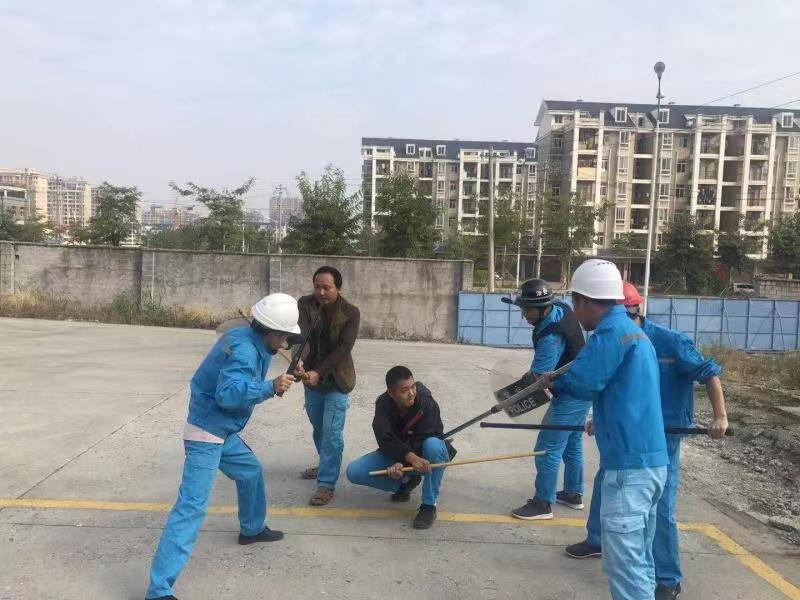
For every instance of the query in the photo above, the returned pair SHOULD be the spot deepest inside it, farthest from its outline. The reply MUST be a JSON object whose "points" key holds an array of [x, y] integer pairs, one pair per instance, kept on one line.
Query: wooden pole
{"points": [[469, 461]]}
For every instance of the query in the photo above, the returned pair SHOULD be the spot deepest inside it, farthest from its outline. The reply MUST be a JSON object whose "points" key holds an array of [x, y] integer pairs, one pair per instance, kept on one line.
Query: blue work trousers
{"points": [[666, 552], [433, 450], [235, 459], [628, 523], [326, 407], [566, 445]]}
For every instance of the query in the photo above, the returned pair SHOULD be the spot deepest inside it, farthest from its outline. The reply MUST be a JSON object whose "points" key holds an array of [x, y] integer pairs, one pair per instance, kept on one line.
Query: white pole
{"points": [[652, 228], [491, 219]]}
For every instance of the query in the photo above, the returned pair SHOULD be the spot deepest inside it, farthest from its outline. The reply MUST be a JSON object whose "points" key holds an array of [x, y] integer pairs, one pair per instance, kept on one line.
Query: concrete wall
{"points": [[777, 287], [398, 298]]}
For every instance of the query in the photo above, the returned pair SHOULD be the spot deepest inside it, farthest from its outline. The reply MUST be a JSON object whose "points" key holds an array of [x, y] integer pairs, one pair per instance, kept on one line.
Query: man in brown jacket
{"points": [[330, 323]]}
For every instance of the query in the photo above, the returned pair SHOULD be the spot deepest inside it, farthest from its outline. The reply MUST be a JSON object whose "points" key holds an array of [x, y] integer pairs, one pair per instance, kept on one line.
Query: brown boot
{"points": [[310, 474], [321, 497]]}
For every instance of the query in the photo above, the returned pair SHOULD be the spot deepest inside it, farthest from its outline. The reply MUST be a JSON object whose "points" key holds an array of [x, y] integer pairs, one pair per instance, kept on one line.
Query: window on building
{"points": [[621, 114], [662, 215], [440, 186], [451, 222], [787, 119], [441, 168], [531, 170], [367, 151], [666, 141], [622, 166], [557, 141], [411, 148], [454, 168], [624, 138], [441, 150], [530, 153], [663, 191], [604, 164], [663, 116], [622, 191], [791, 170], [619, 216], [666, 167], [604, 190], [600, 240], [680, 191], [555, 191], [453, 187], [794, 142], [453, 202], [425, 152], [439, 221], [683, 141], [680, 166], [640, 121], [558, 119]]}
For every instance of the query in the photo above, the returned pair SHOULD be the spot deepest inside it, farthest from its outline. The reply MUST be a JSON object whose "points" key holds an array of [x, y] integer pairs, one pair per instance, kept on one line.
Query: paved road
{"points": [[90, 456]]}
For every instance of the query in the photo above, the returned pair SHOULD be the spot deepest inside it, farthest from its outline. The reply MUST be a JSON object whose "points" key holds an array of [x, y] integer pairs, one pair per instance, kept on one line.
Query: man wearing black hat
{"points": [[557, 338]]}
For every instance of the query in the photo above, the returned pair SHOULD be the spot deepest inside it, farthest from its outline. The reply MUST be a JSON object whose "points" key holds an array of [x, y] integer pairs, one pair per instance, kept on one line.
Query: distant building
{"points": [[282, 208], [14, 202], [456, 173], [63, 201], [734, 168], [170, 217]]}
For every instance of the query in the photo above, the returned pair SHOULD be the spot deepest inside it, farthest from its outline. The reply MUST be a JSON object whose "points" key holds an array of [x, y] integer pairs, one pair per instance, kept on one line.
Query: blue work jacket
{"points": [[618, 371], [230, 382]]}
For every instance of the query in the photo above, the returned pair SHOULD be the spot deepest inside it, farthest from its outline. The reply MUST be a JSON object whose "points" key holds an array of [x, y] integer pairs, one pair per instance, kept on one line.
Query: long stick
{"points": [[534, 387], [668, 430], [469, 461]]}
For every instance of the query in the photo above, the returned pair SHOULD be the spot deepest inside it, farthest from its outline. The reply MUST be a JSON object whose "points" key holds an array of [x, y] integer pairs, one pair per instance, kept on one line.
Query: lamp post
{"points": [[659, 68]]}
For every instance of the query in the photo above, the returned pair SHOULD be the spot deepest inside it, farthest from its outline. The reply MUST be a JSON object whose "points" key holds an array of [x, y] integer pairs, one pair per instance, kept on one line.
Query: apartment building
{"points": [[159, 217], [733, 168], [63, 201], [14, 202], [455, 175]]}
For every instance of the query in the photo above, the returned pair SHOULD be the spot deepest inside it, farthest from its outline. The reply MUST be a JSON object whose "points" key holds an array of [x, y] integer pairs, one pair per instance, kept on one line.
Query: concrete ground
{"points": [[90, 456]]}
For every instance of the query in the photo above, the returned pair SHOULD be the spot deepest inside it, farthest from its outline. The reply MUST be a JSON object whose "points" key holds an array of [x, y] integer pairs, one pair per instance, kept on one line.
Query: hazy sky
{"points": [[213, 91]]}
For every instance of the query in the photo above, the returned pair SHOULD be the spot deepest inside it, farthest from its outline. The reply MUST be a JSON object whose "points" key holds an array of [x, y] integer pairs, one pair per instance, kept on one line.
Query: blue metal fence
{"points": [[755, 324]]}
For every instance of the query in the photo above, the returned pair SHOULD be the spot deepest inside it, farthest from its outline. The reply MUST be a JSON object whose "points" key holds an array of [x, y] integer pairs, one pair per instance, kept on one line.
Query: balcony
{"points": [[641, 194], [759, 146], [587, 140], [470, 170], [757, 202], [706, 195], [710, 144], [644, 145], [758, 175], [734, 147], [382, 167]]}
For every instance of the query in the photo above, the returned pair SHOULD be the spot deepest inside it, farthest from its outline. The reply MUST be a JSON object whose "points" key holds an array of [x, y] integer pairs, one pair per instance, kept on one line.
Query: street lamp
{"points": [[659, 69]]}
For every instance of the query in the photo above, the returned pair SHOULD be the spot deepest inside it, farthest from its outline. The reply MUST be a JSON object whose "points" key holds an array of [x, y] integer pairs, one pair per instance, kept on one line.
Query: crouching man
{"points": [[408, 429], [224, 391]]}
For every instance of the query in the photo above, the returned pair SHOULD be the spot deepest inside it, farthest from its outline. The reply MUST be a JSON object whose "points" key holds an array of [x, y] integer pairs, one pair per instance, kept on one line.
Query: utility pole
{"points": [[278, 192], [491, 219], [659, 68], [539, 216]]}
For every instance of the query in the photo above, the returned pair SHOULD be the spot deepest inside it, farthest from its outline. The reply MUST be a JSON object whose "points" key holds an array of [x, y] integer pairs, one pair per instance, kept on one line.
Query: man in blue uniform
{"points": [[224, 391], [618, 372], [557, 338], [680, 365]]}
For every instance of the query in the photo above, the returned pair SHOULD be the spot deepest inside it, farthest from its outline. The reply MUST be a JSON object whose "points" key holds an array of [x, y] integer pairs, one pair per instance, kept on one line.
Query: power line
{"points": [[750, 89]]}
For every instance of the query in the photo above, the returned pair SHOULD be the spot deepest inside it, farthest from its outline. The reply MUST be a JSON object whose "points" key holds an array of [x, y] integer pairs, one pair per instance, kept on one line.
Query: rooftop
{"points": [[452, 146]]}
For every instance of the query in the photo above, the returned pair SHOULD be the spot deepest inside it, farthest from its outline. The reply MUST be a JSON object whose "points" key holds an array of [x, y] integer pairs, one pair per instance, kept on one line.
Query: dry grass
{"points": [[768, 370], [123, 309]]}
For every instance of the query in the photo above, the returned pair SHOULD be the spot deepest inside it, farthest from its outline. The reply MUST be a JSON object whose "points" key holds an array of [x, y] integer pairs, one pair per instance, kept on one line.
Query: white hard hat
{"points": [[278, 312], [597, 279]]}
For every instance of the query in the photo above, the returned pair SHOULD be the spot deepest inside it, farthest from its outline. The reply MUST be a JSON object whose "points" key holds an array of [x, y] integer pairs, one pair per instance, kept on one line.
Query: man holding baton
{"points": [[680, 365]]}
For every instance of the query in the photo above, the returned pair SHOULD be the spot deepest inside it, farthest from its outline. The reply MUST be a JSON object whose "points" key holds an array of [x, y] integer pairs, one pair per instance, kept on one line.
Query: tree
{"points": [[569, 228], [784, 244], [27, 229], [732, 249], [509, 227], [686, 257], [222, 227], [115, 219], [406, 218], [332, 219]]}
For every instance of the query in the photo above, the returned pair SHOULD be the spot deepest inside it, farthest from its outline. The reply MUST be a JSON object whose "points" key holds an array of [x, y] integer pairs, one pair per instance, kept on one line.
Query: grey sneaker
{"points": [[534, 510], [571, 499], [583, 550]]}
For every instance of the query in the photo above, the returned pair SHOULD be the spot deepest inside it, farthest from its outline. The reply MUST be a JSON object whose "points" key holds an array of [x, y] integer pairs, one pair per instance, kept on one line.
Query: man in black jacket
{"points": [[408, 429]]}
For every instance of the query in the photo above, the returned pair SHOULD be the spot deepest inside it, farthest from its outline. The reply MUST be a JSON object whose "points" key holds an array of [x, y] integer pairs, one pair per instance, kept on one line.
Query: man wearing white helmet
{"points": [[224, 391], [618, 371]]}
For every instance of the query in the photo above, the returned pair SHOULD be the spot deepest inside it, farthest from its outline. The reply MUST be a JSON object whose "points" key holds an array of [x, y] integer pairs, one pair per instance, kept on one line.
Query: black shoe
{"points": [[664, 592], [425, 517], [534, 510], [571, 499], [583, 550], [162, 598], [265, 536], [403, 494]]}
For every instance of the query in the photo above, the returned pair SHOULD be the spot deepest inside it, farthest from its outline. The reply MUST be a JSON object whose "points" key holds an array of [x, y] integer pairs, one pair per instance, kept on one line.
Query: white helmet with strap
{"points": [[597, 279], [277, 312]]}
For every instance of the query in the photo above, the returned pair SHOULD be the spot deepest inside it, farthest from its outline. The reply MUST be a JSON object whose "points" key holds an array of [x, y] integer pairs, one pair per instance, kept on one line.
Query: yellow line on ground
{"points": [[725, 542]]}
